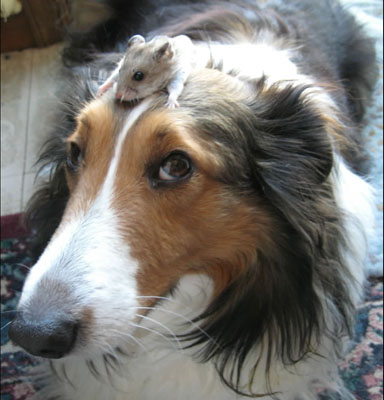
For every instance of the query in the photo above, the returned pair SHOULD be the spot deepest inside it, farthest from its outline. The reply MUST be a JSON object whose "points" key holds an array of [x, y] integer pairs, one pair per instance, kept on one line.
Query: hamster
{"points": [[147, 67]]}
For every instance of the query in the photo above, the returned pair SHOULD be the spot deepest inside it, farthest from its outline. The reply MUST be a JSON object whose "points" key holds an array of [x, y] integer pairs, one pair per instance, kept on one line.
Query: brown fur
{"points": [[167, 241], [95, 136]]}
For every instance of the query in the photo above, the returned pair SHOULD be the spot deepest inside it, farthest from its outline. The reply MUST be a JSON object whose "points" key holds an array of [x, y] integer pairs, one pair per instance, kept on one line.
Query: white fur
{"points": [[89, 256], [158, 369], [250, 60], [47, 259], [356, 198]]}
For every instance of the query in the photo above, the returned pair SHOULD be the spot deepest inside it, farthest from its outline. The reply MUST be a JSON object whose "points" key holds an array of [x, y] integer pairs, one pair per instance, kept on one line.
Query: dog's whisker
{"points": [[155, 297], [168, 339], [107, 357], [111, 366], [113, 360], [152, 331], [185, 306], [92, 368], [163, 326], [107, 365], [198, 327], [131, 337], [120, 352], [66, 376], [54, 370]]}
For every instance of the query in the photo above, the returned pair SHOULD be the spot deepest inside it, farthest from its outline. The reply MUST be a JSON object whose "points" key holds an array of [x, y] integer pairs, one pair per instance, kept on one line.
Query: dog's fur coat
{"points": [[239, 276]]}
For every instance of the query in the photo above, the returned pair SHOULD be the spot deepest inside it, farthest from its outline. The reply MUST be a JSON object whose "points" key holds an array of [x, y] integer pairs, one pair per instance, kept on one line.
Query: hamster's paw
{"points": [[172, 103], [103, 88]]}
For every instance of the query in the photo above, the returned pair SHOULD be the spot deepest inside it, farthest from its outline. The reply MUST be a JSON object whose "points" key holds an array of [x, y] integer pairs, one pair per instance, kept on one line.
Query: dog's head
{"points": [[232, 185]]}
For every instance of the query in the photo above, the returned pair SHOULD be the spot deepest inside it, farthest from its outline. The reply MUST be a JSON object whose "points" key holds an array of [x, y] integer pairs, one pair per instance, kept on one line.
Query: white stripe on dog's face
{"points": [[132, 118], [89, 258]]}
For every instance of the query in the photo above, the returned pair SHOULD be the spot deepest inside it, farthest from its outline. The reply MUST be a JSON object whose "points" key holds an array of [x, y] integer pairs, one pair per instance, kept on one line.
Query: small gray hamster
{"points": [[147, 67]]}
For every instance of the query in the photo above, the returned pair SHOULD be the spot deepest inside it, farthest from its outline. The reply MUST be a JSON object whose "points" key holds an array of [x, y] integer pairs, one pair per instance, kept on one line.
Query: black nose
{"points": [[52, 338]]}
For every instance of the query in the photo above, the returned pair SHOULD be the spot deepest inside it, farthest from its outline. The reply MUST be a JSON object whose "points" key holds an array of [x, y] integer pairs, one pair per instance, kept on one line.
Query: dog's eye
{"points": [[73, 157], [138, 76], [175, 167]]}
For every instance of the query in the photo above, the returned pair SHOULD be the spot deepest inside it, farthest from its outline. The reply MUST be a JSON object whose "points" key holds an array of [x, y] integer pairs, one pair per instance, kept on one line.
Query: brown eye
{"points": [[138, 76], [175, 167], [73, 157]]}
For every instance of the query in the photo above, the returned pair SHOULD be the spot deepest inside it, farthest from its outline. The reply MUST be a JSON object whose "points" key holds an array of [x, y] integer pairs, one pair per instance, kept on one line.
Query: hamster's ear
{"points": [[163, 52], [135, 40]]}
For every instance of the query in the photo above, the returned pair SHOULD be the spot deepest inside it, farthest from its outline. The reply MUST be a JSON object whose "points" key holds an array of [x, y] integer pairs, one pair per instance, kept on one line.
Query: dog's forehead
{"points": [[127, 140]]}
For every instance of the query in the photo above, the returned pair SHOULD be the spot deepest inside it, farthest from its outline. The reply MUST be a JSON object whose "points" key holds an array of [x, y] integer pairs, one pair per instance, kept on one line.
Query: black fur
{"points": [[279, 154]]}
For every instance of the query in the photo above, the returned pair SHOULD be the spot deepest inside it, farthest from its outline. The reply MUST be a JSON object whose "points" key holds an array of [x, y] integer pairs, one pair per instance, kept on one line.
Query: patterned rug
{"points": [[361, 370]]}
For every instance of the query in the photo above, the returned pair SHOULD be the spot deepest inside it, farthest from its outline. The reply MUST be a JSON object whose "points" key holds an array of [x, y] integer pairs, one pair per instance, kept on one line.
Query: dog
{"points": [[215, 250]]}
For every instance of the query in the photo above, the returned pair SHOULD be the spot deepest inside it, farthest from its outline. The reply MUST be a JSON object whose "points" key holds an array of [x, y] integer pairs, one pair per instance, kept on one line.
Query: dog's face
{"points": [[148, 206], [172, 214], [223, 186]]}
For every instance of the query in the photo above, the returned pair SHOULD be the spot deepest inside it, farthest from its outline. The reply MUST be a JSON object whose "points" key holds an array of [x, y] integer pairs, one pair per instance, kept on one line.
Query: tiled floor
{"points": [[28, 85]]}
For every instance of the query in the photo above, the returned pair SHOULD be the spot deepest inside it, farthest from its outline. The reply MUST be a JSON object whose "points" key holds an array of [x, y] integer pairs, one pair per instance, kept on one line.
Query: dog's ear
{"points": [[293, 150], [285, 153]]}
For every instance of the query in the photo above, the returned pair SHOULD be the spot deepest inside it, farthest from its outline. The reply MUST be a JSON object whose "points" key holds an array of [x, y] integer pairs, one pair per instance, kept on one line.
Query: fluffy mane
{"points": [[279, 147]]}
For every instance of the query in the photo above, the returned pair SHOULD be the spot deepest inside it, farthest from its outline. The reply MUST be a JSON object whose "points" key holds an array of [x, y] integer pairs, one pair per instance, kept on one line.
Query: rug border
{"points": [[13, 226]]}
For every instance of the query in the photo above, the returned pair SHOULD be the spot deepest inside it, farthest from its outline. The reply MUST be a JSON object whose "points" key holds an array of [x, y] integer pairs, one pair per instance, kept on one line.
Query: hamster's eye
{"points": [[138, 76]]}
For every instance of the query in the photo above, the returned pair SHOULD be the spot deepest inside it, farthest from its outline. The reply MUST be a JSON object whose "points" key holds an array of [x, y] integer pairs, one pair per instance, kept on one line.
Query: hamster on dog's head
{"points": [[146, 67]]}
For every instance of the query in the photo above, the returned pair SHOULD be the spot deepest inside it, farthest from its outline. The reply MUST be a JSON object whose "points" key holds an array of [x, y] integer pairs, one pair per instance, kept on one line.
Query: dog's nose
{"points": [[51, 338]]}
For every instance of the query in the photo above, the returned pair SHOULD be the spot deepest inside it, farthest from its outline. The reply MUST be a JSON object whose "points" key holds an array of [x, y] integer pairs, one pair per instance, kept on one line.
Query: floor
{"points": [[27, 102]]}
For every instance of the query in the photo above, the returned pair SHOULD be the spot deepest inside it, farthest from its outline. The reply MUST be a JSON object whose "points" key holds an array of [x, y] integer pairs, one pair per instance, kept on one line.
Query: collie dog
{"points": [[216, 250]]}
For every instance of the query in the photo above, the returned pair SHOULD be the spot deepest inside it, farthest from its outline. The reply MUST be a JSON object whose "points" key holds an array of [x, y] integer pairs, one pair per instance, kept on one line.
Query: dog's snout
{"points": [[53, 337]]}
